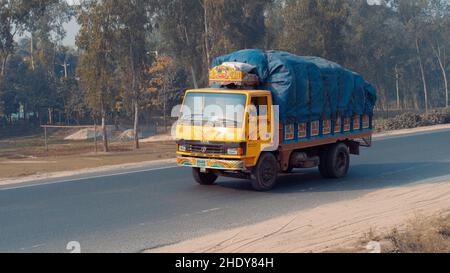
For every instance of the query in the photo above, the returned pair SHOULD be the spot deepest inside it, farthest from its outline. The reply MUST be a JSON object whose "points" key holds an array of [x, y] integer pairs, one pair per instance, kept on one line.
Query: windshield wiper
{"points": [[223, 121], [191, 117], [227, 122]]}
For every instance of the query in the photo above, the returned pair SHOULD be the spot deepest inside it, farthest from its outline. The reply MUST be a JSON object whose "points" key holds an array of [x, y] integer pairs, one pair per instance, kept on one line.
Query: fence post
{"points": [[95, 137], [45, 137]]}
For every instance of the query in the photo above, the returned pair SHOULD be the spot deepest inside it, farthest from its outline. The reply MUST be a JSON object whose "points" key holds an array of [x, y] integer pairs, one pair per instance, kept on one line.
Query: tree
{"points": [[209, 28], [74, 105], [164, 73], [315, 28], [133, 23], [97, 66], [45, 26], [413, 13], [15, 15], [181, 25], [377, 47], [399, 45], [438, 32], [232, 25], [18, 18]]}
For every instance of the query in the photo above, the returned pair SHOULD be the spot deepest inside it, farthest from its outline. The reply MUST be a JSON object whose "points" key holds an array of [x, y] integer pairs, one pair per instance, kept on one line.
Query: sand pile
{"points": [[84, 134], [158, 138], [128, 135]]}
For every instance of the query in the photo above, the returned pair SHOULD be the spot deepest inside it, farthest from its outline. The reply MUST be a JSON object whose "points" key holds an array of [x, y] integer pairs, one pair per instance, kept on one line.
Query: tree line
{"points": [[133, 59]]}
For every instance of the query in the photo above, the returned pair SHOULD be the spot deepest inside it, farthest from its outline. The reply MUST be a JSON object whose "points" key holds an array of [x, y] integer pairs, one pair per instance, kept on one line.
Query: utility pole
{"points": [[205, 22], [422, 71], [397, 85], [32, 52], [65, 65]]}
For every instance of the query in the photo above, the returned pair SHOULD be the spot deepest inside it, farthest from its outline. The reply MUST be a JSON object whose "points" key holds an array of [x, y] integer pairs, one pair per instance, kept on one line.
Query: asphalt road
{"points": [[144, 208]]}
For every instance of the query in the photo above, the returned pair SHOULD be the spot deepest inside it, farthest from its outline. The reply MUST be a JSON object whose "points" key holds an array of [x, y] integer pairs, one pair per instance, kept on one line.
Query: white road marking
{"points": [[28, 162], [87, 178], [32, 247], [200, 212], [209, 210], [376, 137]]}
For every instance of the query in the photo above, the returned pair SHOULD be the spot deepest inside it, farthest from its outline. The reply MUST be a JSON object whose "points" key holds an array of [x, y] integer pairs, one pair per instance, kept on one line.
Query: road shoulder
{"points": [[403, 132], [89, 171], [338, 225]]}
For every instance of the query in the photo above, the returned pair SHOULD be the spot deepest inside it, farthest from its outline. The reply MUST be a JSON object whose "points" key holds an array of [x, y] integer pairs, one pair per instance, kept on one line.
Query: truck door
{"points": [[259, 129]]}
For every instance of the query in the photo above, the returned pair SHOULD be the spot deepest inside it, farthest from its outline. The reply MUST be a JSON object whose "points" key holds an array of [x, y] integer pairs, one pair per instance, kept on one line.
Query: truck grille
{"points": [[206, 149]]}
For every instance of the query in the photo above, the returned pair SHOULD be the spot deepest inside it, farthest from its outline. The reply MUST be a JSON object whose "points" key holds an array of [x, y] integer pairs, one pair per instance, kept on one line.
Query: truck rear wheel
{"points": [[204, 178], [264, 175], [335, 161]]}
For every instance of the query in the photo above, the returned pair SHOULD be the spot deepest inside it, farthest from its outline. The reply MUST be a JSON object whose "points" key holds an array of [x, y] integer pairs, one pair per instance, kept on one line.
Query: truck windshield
{"points": [[215, 109]]}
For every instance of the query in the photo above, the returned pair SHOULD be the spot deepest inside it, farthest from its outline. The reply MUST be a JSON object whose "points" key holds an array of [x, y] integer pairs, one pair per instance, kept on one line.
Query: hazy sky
{"points": [[373, 2], [71, 28], [71, 31]]}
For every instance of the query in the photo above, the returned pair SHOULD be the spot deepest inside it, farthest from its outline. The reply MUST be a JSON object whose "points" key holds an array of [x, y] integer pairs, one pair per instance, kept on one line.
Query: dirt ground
{"points": [[336, 227], [25, 156]]}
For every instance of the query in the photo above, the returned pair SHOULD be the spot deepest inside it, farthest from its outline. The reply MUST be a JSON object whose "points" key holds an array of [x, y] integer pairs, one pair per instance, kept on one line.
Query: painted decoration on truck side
{"points": [[315, 130], [366, 121], [347, 124], [338, 125], [356, 122], [211, 163], [289, 132], [327, 127], [302, 130]]}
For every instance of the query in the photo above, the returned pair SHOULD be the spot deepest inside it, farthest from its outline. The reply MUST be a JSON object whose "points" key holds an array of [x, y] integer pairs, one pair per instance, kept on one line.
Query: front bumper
{"points": [[217, 164]]}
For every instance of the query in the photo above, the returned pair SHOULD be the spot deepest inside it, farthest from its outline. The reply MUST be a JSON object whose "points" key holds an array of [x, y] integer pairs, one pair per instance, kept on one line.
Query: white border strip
{"points": [[40, 183]]}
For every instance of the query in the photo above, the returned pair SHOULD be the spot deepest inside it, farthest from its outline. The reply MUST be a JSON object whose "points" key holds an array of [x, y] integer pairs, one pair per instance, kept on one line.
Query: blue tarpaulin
{"points": [[307, 88]]}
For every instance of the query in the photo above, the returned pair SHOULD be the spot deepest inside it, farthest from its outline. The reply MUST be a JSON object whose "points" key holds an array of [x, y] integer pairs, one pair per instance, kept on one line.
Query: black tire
{"points": [[323, 165], [335, 161], [204, 178], [264, 175]]}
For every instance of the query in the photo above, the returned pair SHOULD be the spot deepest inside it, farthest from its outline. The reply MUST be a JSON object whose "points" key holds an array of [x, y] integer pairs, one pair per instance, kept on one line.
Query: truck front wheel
{"points": [[335, 161], [204, 178], [264, 175]]}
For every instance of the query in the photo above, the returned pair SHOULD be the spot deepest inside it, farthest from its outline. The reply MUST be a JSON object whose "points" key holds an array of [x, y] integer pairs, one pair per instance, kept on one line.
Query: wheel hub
{"points": [[268, 172]]}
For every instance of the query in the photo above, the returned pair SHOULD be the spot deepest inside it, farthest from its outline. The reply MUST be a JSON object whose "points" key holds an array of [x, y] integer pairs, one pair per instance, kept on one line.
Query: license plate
{"points": [[201, 163]]}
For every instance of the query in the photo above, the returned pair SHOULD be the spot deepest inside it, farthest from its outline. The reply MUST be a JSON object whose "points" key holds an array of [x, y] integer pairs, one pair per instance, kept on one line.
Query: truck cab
{"points": [[223, 133]]}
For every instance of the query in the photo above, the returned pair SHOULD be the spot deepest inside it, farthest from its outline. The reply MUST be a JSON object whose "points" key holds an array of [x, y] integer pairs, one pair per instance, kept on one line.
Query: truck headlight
{"points": [[234, 151], [182, 148]]}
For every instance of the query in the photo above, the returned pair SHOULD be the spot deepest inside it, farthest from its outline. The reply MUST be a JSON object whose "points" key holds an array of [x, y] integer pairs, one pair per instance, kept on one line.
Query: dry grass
{"points": [[413, 120], [419, 235], [423, 235], [23, 156]]}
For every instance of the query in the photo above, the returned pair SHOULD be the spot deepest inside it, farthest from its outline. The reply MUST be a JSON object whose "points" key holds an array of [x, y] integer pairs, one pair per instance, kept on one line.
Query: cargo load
{"points": [[306, 88]]}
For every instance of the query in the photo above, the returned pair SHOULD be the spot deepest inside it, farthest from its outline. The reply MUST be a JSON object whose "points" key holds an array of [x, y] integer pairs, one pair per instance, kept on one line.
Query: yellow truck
{"points": [[237, 129]]}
